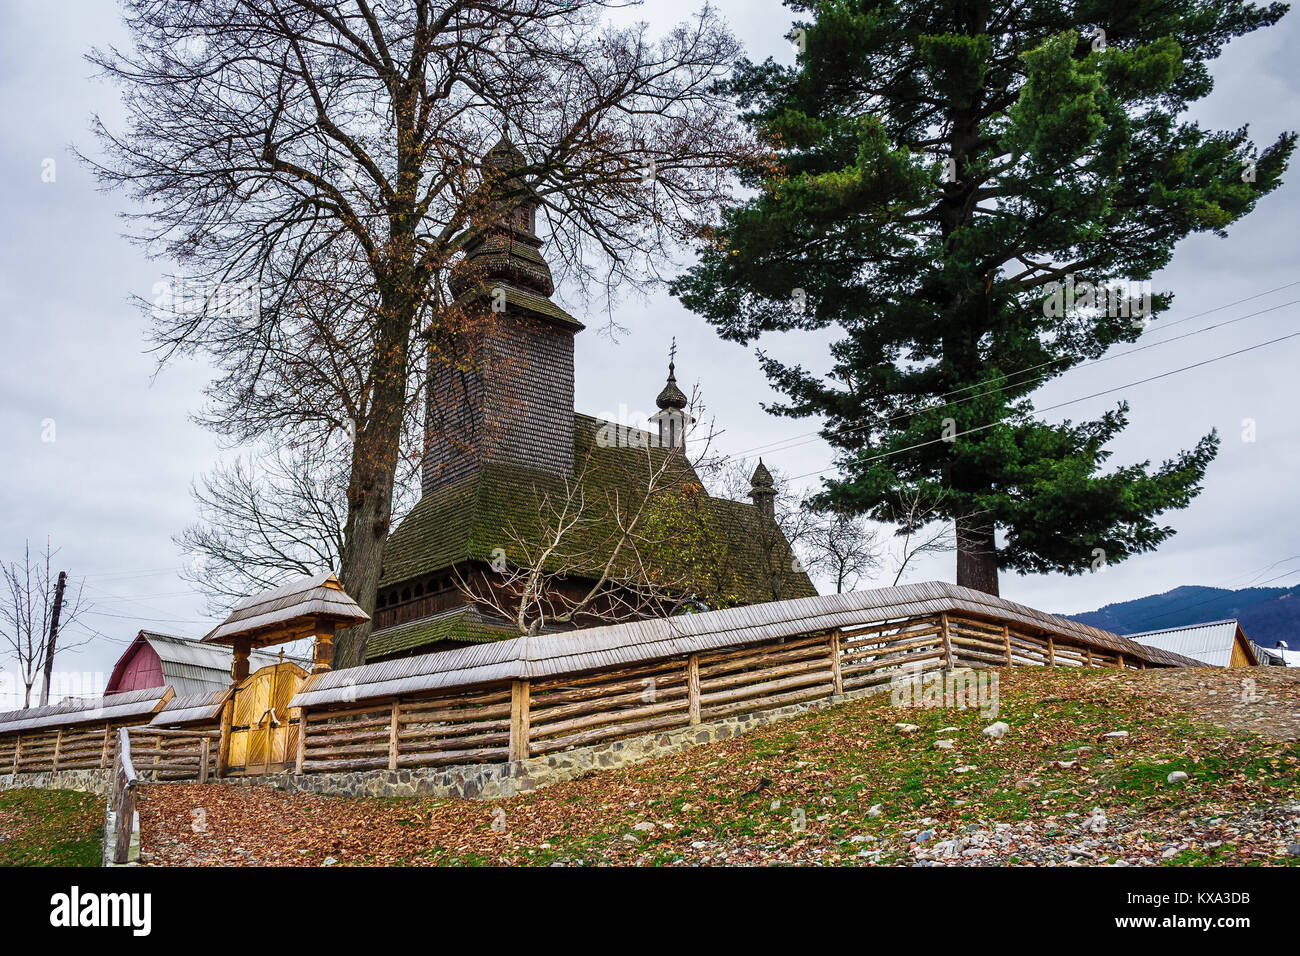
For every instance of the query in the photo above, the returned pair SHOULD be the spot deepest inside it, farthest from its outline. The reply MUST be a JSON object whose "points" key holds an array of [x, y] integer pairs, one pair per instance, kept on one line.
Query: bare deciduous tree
{"points": [[843, 548], [266, 517], [26, 610], [273, 143], [923, 528], [611, 543]]}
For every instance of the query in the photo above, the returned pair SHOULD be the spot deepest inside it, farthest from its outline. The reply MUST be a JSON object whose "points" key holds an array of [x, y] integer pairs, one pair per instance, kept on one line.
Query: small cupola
{"points": [[672, 418], [762, 490]]}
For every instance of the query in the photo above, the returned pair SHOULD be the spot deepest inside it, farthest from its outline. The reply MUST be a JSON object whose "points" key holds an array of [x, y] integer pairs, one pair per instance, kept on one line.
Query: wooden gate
{"points": [[263, 729]]}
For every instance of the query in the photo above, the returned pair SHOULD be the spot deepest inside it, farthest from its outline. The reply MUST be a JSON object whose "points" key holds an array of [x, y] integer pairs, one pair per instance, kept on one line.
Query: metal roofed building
{"points": [[185, 664], [1216, 643]]}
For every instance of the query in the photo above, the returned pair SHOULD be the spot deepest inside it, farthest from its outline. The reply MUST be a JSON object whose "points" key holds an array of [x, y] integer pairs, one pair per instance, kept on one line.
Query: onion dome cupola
{"points": [[672, 419], [503, 260], [762, 490]]}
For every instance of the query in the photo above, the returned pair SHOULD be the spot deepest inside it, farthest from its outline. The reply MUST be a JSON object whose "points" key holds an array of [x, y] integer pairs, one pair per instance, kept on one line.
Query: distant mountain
{"points": [[1267, 615]]}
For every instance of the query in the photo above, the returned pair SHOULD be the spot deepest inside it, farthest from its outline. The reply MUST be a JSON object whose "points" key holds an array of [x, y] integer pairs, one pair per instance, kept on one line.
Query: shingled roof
{"points": [[590, 649], [316, 598], [467, 519]]}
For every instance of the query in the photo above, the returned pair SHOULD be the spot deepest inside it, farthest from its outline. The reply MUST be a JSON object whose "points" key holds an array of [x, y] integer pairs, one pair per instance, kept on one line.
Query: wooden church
{"points": [[504, 448]]}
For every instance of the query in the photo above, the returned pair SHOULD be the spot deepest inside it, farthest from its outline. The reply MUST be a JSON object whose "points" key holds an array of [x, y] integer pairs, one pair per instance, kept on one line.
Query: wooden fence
{"points": [[521, 718], [160, 754]]}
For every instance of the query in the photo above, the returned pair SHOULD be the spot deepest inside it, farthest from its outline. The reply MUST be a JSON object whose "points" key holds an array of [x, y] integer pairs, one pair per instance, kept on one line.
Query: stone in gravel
{"points": [[329, 861], [876, 810], [776, 804], [632, 838], [906, 728], [964, 768], [997, 730], [1293, 849], [1097, 823], [645, 826], [1177, 777], [945, 744], [948, 730], [923, 837], [1116, 733], [1064, 764]]}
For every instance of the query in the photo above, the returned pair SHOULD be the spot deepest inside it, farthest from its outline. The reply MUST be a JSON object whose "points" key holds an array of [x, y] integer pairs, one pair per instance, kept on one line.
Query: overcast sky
{"points": [[112, 488]]}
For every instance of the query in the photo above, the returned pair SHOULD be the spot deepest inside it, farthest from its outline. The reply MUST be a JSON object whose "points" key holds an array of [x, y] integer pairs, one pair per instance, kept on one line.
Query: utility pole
{"points": [[54, 635]]}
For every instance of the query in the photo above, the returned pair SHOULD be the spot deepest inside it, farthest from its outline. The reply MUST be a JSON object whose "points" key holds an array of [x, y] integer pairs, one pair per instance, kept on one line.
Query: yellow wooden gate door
{"points": [[263, 729]]}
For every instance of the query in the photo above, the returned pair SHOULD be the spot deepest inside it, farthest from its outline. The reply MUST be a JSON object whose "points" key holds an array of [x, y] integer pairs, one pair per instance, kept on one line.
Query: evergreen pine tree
{"points": [[957, 186]]}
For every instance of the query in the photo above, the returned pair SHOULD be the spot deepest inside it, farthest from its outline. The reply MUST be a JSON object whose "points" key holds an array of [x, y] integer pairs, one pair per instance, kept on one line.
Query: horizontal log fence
{"points": [[519, 719], [160, 754], [473, 709]]}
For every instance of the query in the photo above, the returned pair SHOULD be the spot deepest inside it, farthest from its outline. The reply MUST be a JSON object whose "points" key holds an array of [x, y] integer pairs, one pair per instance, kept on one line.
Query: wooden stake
{"points": [[58, 745], [205, 752], [693, 688], [223, 748], [1051, 651], [108, 743], [1006, 639], [519, 720], [837, 677], [393, 729], [302, 741], [947, 642]]}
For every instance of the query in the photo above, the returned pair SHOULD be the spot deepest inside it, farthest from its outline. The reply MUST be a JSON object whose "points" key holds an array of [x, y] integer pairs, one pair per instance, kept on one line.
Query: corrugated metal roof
{"points": [[317, 597], [620, 644], [1210, 643], [133, 703], [192, 667]]}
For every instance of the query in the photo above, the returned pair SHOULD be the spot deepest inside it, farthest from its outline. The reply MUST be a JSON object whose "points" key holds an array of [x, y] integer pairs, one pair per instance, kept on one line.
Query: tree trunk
{"points": [[370, 487], [977, 556]]}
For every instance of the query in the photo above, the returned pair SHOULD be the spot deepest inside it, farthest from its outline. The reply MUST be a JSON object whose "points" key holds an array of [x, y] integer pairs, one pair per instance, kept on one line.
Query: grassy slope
{"points": [[801, 791], [50, 828]]}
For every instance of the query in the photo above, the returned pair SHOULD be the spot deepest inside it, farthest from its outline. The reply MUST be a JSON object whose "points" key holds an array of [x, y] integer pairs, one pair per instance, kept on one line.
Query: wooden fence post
{"points": [[947, 642], [205, 753], [1006, 641], [1087, 654], [1051, 651], [302, 741], [58, 745], [223, 748], [393, 730], [837, 676], [518, 720], [693, 688], [1121, 661], [108, 747], [18, 750]]}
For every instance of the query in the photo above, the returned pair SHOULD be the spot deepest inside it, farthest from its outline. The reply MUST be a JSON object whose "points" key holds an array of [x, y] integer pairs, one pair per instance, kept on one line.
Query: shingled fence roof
{"points": [[318, 597], [618, 645], [133, 703]]}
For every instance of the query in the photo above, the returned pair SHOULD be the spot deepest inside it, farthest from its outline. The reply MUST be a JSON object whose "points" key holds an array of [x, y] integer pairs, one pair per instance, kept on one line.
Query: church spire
{"points": [[502, 255], [672, 396], [762, 490], [672, 419]]}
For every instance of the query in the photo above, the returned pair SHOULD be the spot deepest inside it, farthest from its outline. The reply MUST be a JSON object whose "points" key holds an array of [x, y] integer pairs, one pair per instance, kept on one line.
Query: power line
{"points": [[795, 441], [1073, 401]]}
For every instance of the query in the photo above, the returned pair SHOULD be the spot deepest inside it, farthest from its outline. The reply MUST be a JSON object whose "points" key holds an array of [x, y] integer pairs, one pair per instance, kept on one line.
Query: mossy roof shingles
{"points": [[467, 520]]}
